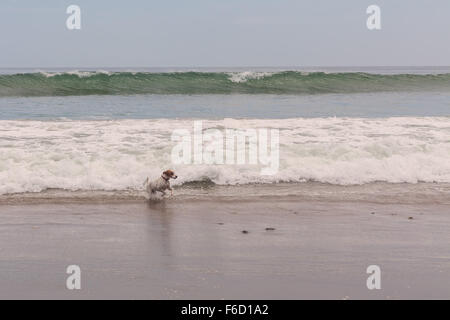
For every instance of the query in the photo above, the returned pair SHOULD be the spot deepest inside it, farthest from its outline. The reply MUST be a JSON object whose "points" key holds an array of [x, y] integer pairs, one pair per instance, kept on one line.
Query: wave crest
{"points": [[287, 82]]}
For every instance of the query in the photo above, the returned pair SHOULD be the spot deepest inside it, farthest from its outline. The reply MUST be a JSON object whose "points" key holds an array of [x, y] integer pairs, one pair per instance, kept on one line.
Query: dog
{"points": [[161, 184]]}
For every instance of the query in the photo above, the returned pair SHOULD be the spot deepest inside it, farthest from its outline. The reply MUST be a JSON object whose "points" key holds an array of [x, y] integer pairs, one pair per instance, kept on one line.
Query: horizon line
{"points": [[225, 67]]}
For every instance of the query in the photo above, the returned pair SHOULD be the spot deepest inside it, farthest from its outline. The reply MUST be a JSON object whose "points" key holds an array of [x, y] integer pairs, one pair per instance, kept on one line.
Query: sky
{"points": [[223, 33]]}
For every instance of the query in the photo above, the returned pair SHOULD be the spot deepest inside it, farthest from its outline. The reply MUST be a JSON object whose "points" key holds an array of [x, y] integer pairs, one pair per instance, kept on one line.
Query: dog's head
{"points": [[169, 174]]}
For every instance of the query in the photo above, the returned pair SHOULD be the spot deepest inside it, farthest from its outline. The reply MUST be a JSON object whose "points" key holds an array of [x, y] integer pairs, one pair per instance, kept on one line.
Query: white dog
{"points": [[161, 184]]}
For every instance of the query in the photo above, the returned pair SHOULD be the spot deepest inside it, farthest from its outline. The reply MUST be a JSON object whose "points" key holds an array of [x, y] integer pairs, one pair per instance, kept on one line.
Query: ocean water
{"points": [[107, 130]]}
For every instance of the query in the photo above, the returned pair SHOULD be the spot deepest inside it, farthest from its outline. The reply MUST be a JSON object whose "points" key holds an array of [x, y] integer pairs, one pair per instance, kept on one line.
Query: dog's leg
{"points": [[163, 194]]}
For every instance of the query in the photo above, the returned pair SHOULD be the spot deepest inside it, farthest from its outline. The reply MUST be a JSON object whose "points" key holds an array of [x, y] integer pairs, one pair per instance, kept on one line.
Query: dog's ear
{"points": [[168, 173]]}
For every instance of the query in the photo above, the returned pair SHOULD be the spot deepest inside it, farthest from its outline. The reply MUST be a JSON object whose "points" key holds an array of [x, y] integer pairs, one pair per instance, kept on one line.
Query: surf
{"points": [[117, 155]]}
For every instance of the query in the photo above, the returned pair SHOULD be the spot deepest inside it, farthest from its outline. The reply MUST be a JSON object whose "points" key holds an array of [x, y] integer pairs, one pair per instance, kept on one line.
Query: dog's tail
{"points": [[145, 182]]}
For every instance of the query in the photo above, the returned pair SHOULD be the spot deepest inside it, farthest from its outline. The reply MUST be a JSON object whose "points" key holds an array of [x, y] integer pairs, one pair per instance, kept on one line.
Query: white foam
{"points": [[240, 77], [119, 155], [80, 74]]}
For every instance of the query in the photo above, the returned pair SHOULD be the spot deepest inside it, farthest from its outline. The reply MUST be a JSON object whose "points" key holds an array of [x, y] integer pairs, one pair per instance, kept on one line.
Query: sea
{"points": [[352, 133]]}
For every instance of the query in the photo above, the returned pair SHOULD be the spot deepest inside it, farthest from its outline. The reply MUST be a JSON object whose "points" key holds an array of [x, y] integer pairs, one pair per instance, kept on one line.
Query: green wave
{"points": [[289, 82]]}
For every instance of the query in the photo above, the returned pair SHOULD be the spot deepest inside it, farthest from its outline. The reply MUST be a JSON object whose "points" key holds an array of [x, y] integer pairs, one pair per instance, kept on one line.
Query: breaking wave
{"points": [[287, 82], [119, 155]]}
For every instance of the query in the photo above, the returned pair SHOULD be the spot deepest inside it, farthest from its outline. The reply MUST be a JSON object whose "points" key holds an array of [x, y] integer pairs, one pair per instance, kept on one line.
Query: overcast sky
{"points": [[224, 33]]}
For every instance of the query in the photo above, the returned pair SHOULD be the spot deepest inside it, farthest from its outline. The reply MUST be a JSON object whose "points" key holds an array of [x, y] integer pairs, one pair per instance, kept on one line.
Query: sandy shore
{"points": [[195, 249]]}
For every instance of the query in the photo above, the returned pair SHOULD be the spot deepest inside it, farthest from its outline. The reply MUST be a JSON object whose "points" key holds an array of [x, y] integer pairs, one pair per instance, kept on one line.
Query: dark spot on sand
{"points": [[244, 231], [270, 229], [372, 213], [410, 218], [220, 223]]}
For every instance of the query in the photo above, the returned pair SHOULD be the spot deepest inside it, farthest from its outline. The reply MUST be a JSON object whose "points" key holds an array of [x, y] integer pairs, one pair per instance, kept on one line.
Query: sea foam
{"points": [[120, 154]]}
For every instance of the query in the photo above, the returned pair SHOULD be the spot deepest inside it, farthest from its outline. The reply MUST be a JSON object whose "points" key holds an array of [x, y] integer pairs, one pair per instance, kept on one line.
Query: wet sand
{"points": [[196, 249]]}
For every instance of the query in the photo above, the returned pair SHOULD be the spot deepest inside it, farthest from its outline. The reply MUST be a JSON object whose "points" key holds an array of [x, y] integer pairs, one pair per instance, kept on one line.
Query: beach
{"points": [[225, 247], [334, 170], [224, 150]]}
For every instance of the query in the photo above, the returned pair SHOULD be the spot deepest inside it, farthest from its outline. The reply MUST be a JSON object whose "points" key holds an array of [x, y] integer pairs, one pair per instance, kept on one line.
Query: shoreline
{"points": [[379, 192]]}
